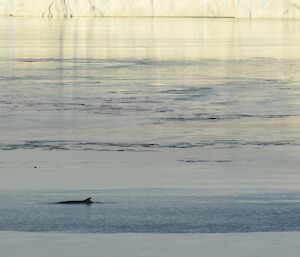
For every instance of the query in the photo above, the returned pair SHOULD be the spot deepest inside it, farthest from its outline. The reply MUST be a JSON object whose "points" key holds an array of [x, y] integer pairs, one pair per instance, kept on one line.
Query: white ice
{"points": [[287, 9]]}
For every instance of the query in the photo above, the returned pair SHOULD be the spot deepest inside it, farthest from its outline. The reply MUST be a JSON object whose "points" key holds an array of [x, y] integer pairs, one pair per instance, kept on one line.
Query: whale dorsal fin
{"points": [[88, 199]]}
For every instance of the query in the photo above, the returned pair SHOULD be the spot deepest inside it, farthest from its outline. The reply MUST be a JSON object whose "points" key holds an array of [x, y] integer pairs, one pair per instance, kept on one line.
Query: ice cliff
{"points": [[289, 9]]}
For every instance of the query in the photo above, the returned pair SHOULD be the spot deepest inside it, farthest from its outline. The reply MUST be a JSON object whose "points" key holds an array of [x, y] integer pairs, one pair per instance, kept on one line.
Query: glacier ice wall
{"points": [[153, 8], [287, 9]]}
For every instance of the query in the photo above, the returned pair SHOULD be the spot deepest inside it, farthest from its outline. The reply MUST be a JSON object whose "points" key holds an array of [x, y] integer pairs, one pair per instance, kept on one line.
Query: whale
{"points": [[86, 201]]}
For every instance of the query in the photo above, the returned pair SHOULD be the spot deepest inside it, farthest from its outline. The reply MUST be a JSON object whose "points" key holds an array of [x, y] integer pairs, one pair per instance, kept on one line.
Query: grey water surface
{"points": [[94, 104], [150, 211]]}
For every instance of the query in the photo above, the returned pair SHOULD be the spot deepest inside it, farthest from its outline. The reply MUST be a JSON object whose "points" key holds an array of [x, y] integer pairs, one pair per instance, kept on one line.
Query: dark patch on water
{"points": [[204, 161], [223, 117], [110, 146]]}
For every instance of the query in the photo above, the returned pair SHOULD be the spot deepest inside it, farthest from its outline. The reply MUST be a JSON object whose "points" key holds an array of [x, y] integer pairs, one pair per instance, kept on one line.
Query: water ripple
{"points": [[118, 146]]}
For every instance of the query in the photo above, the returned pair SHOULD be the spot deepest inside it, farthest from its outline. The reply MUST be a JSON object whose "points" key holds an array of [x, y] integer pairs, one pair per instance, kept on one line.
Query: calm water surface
{"points": [[210, 104], [150, 211], [140, 84]]}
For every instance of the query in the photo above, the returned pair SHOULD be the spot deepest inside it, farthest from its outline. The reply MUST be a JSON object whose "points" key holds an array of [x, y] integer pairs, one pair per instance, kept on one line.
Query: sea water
{"points": [[105, 104], [150, 211]]}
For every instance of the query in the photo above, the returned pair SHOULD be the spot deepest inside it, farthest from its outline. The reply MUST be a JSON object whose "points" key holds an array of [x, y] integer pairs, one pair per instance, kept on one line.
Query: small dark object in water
{"points": [[86, 201]]}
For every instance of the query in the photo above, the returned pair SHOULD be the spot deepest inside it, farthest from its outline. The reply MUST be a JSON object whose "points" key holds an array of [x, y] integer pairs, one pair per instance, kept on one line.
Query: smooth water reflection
{"points": [[139, 85], [164, 39]]}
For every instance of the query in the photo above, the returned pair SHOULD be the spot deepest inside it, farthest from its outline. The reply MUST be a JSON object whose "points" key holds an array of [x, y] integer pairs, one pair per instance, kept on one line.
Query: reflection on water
{"points": [[165, 39], [152, 85]]}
